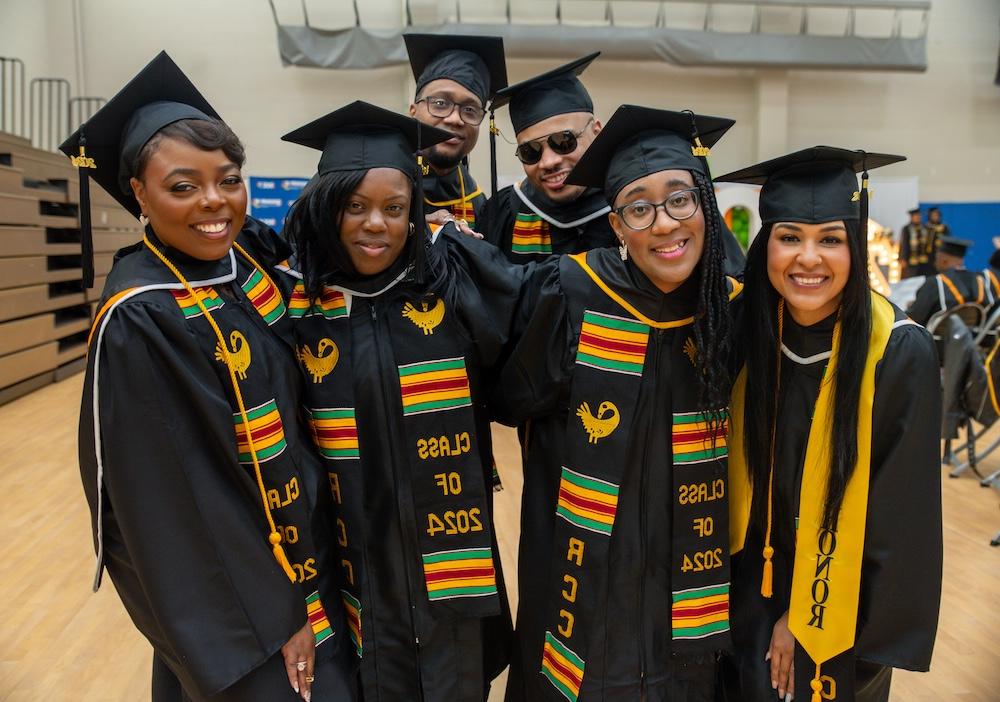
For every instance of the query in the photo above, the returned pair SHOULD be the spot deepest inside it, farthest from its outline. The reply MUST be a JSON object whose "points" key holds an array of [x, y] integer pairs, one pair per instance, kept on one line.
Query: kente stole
{"points": [[440, 474], [610, 363], [826, 575], [265, 426]]}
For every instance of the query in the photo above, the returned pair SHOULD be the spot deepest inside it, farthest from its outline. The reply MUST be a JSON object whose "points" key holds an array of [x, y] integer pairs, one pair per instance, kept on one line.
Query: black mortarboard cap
{"points": [[915, 210], [638, 141], [106, 145], [555, 92], [813, 185], [474, 62], [360, 136], [953, 246]]}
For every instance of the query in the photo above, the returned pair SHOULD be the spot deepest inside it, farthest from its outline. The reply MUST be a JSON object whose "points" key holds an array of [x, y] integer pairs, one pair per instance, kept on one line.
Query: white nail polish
{"points": [[767, 656], [295, 686], [788, 697]]}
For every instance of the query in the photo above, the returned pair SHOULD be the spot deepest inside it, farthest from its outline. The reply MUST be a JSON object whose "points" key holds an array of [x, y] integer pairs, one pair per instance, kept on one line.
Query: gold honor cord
{"points": [[274, 538], [767, 577]]}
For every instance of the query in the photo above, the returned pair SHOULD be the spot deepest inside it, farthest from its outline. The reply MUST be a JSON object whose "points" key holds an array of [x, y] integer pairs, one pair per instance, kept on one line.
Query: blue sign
{"points": [[270, 198]]}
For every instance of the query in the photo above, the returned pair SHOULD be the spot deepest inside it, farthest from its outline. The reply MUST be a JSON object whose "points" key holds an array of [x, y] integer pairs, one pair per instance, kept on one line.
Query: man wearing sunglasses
{"points": [[554, 123], [456, 76]]}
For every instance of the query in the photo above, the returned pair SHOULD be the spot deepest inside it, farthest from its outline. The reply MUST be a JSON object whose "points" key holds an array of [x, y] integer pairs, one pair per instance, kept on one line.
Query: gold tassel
{"points": [[699, 149], [767, 579], [280, 557], [817, 687]]}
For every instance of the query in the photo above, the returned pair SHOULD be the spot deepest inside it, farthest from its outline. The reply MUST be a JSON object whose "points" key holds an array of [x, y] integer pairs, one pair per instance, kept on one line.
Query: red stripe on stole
{"points": [[589, 505], [570, 673], [435, 385], [612, 345], [702, 435], [265, 295], [694, 612], [269, 429], [483, 572], [337, 433]]}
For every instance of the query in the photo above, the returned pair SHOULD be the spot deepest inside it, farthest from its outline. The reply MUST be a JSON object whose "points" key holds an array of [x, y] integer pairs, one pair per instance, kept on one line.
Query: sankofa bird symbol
{"points": [[599, 426], [239, 354], [425, 318], [318, 365]]}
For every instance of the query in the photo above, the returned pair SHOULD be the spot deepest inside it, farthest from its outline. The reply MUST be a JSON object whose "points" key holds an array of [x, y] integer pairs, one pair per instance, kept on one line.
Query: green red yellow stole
{"points": [[260, 433], [826, 577], [531, 235], [440, 475], [610, 364]]}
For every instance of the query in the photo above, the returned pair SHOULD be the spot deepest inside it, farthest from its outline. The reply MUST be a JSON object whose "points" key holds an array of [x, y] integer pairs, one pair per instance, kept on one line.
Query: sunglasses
{"points": [[562, 143]]}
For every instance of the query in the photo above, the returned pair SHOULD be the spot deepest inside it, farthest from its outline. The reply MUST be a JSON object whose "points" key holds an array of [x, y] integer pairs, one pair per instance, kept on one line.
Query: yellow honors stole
{"points": [[440, 476], [611, 362], [826, 578]]}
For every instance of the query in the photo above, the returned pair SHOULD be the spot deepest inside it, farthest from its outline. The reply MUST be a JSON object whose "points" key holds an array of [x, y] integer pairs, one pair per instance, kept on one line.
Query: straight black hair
{"points": [[760, 339]]}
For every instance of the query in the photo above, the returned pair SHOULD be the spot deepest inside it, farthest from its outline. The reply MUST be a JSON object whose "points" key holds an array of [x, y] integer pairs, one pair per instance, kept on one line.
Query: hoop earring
{"points": [[623, 250], [143, 220], [413, 229]]}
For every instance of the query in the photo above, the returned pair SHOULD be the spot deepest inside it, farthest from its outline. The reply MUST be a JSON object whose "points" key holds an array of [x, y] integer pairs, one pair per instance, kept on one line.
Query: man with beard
{"points": [[554, 123], [456, 76]]}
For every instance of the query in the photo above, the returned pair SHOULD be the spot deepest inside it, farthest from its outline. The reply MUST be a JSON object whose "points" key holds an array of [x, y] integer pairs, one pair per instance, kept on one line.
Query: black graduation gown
{"points": [[634, 655], [916, 250], [446, 192], [569, 228], [412, 651], [175, 507], [901, 571], [935, 295]]}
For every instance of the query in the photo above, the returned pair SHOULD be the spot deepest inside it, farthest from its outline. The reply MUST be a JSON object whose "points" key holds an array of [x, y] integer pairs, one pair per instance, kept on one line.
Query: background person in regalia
{"points": [[835, 490]]}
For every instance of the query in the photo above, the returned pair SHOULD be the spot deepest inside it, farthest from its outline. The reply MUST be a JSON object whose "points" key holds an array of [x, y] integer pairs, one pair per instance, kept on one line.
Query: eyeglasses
{"points": [[682, 204], [442, 107], [565, 142]]}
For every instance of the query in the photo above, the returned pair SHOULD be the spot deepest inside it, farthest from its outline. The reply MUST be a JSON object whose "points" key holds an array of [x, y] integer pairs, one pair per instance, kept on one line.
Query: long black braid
{"points": [[713, 326]]}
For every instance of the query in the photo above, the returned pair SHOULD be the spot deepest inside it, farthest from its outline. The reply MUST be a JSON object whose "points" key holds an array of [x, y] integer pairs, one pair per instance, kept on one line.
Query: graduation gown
{"points": [[630, 649], [901, 565], [413, 648], [527, 226], [456, 192], [175, 507], [950, 289], [916, 250]]}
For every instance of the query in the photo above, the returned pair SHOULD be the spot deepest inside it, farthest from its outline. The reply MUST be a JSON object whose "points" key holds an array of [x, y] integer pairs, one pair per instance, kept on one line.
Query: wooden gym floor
{"points": [[59, 642]]}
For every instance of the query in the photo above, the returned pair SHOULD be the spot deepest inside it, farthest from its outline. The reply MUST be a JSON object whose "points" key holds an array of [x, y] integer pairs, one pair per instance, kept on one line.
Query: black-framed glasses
{"points": [[565, 142], [680, 205], [442, 107]]}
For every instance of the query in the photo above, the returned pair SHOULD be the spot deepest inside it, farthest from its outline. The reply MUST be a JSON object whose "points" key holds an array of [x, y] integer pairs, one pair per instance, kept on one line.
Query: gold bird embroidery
{"points": [[599, 426], [426, 319], [691, 351], [239, 354], [320, 366]]}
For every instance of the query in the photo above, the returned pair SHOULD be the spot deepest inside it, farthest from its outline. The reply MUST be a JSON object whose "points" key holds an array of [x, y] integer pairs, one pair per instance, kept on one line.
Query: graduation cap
{"points": [[106, 145], [813, 185], [360, 136], [637, 141], [954, 246], [915, 210], [475, 62], [555, 92]]}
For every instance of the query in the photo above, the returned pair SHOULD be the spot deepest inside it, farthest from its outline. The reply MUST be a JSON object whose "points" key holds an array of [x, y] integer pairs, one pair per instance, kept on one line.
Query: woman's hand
{"points": [[300, 656], [781, 653], [442, 217]]}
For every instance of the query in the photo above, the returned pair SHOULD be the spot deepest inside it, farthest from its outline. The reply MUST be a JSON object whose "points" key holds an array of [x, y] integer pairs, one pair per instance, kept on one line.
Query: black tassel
{"points": [[86, 234], [418, 220], [493, 154], [864, 199]]}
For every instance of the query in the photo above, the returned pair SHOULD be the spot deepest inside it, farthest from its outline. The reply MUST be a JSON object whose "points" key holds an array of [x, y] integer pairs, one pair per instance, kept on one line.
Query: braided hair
{"points": [[713, 326]]}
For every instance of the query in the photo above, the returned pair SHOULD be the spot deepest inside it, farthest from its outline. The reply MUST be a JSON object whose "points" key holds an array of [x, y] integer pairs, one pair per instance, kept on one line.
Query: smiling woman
{"points": [[190, 391]]}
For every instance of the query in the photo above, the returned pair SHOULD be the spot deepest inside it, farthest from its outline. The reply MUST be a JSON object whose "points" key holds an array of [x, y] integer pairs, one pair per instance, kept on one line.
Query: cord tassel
{"points": [[767, 577], [86, 234], [817, 687], [280, 557]]}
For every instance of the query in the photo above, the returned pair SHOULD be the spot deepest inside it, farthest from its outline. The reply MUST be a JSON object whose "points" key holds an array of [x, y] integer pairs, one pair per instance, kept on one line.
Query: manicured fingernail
{"points": [[308, 695], [295, 686], [788, 697], [774, 685], [767, 656]]}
